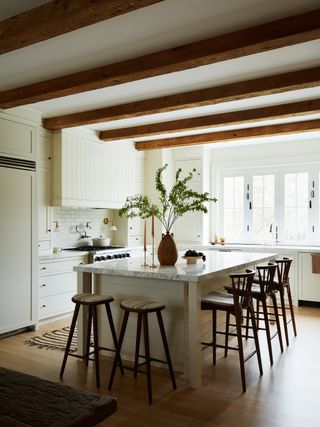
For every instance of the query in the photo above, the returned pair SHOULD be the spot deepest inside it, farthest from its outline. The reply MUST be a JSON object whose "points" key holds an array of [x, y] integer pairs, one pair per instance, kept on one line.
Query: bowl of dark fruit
{"points": [[192, 256]]}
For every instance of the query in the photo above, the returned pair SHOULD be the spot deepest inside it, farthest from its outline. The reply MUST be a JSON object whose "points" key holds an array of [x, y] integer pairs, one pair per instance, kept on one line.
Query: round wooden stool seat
{"points": [[88, 299], [141, 305]]}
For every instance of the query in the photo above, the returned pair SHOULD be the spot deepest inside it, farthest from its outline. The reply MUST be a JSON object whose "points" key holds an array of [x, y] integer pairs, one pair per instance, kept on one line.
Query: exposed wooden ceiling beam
{"points": [[231, 92], [273, 35], [196, 123], [230, 135], [59, 17]]}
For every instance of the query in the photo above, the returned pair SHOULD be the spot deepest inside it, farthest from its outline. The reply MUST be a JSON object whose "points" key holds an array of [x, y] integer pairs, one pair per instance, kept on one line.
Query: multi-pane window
{"points": [[296, 207], [263, 206], [259, 206], [233, 218]]}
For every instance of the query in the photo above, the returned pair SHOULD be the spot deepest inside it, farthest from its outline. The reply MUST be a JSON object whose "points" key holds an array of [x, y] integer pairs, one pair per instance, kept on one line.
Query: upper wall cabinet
{"points": [[91, 174], [17, 139]]}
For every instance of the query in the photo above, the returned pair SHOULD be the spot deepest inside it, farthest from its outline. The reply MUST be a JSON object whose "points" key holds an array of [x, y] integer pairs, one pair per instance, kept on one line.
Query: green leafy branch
{"points": [[180, 200]]}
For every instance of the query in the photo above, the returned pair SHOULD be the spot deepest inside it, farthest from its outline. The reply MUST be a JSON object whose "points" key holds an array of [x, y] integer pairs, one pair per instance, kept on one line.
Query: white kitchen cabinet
{"points": [[44, 192], [188, 228], [57, 285], [130, 230], [17, 139], [309, 283], [44, 208], [91, 174]]}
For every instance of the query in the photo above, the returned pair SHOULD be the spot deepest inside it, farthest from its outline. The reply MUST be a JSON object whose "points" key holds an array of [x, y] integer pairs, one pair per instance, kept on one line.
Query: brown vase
{"points": [[167, 250]]}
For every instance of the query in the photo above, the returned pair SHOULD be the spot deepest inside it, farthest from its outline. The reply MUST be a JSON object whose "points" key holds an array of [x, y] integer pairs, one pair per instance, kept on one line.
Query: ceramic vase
{"points": [[167, 250]]}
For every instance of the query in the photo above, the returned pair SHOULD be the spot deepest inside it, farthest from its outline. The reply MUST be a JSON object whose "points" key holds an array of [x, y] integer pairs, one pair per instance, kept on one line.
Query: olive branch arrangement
{"points": [[172, 205]]}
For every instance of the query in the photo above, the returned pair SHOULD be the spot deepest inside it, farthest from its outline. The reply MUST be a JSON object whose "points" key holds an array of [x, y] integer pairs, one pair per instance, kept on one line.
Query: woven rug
{"points": [[54, 340]]}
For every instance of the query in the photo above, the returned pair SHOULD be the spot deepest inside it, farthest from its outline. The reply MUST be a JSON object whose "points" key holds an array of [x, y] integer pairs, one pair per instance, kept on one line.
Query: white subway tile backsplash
{"points": [[68, 218]]}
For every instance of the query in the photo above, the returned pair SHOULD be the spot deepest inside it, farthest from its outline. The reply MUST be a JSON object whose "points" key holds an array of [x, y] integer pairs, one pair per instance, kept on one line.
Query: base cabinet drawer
{"points": [[54, 305], [57, 284], [309, 282]]}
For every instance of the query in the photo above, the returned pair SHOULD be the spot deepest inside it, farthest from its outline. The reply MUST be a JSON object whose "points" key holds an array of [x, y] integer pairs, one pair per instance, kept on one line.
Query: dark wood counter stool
{"points": [[282, 285], [91, 301], [142, 308], [234, 304], [262, 289]]}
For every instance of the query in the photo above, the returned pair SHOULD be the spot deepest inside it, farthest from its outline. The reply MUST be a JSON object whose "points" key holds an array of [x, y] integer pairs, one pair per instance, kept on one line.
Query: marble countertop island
{"points": [[179, 288], [216, 264]]}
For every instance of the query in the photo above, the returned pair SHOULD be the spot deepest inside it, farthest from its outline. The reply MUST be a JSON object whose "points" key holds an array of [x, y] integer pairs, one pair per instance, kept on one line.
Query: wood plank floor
{"points": [[286, 395]]}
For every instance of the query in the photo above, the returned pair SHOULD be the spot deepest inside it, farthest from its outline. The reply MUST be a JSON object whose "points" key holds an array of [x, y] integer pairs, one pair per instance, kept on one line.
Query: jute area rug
{"points": [[54, 340]]}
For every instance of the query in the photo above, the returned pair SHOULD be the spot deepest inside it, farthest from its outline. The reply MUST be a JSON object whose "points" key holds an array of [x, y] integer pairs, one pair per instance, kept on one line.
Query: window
{"points": [[233, 218], [270, 205]]}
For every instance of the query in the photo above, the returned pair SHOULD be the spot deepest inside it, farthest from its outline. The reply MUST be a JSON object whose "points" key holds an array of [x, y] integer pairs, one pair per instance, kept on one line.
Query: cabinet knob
{"points": [[49, 158], [49, 230], [43, 306], [43, 268], [198, 235], [43, 285]]}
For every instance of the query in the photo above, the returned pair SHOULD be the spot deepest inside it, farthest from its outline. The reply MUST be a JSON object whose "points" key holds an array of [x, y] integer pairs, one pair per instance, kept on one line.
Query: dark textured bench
{"points": [[28, 401]]}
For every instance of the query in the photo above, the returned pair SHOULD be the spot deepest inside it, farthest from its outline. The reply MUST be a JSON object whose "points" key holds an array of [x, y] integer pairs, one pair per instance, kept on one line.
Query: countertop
{"points": [[216, 264], [272, 248]]}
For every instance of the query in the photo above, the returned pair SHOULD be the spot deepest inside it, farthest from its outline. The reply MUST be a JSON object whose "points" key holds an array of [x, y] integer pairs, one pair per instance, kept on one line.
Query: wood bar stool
{"points": [[142, 308], [262, 289], [280, 285], [91, 301], [234, 304]]}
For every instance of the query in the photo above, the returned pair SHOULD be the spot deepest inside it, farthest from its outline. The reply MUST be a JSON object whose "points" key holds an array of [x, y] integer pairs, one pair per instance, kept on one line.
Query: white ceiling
{"points": [[154, 28]]}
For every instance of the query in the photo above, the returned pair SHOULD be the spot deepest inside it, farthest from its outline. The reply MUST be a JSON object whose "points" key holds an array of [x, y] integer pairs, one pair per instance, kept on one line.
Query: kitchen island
{"points": [[180, 287]]}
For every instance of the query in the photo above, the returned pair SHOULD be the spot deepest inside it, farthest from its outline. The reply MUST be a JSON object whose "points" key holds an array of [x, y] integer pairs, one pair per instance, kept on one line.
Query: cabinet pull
{"points": [[43, 285], [43, 268]]}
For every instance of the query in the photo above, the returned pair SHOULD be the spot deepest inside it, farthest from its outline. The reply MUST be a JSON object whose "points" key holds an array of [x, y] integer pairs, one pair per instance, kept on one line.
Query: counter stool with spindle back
{"points": [[281, 284], [233, 304], [90, 301], [262, 289], [142, 308]]}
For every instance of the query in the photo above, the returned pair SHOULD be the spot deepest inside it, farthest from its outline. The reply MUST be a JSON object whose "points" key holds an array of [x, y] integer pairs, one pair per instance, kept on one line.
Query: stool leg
{"points": [[276, 314], [214, 336], [166, 348], [240, 348], [291, 310], [147, 354], [256, 339], [72, 327], [136, 358], [96, 344], [118, 349], [267, 326], [247, 325], [88, 334], [226, 340], [284, 315], [113, 333]]}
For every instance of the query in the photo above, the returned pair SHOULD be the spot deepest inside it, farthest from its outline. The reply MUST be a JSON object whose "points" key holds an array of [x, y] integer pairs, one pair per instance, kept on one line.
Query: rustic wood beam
{"points": [[261, 38], [230, 135], [231, 92], [293, 109], [59, 17]]}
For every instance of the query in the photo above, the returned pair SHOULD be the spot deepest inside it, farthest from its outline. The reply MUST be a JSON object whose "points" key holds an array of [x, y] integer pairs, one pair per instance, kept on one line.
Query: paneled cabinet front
{"points": [[57, 285], [90, 174]]}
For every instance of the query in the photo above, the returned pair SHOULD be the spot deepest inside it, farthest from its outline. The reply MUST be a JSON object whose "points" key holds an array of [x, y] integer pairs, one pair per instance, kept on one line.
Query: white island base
{"points": [[180, 288]]}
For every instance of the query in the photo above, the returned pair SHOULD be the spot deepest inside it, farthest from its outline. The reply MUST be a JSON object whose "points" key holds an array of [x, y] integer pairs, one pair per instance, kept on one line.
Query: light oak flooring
{"points": [[286, 395]]}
